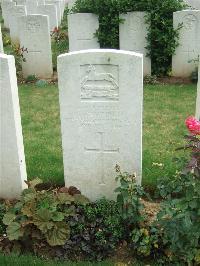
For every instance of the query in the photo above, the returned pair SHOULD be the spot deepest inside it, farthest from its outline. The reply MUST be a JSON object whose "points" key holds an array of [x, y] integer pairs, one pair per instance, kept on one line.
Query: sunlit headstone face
{"points": [[184, 61], [35, 37], [101, 117], [12, 159]]}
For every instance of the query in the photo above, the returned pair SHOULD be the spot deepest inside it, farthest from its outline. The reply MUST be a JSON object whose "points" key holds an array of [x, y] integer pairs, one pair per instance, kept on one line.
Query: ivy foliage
{"points": [[96, 231], [41, 215], [162, 39]]}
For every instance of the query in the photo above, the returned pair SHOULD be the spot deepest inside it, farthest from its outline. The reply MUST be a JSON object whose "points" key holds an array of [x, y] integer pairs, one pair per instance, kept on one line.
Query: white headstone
{"points": [[41, 2], [81, 30], [198, 97], [133, 32], [193, 3], [1, 42], [183, 63], [34, 35], [15, 13], [71, 3], [6, 5], [57, 4], [51, 12], [101, 117], [12, 159], [31, 7], [21, 2]]}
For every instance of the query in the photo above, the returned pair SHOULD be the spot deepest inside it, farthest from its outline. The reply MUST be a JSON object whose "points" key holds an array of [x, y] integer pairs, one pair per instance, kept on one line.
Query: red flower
{"points": [[193, 125]]}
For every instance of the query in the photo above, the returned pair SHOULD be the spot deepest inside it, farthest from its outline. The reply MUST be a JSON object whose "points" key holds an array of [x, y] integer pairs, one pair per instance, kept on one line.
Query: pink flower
{"points": [[193, 125]]}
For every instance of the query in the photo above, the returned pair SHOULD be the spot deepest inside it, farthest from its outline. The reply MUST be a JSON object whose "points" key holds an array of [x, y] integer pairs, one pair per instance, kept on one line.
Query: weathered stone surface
{"points": [[6, 5], [12, 159], [198, 97], [31, 7], [71, 3], [51, 12], [193, 3], [34, 35], [21, 2], [133, 32], [81, 30], [183, 62], [15, 13], [101, 116], [1, 42], [58, 6]]}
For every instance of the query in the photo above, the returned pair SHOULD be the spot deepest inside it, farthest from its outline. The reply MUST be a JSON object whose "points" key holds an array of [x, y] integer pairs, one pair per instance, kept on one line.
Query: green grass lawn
{"points": [[165, 110], [33, 261]]}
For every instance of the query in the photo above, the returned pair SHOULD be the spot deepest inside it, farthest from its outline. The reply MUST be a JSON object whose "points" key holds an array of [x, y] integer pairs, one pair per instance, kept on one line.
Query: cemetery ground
{"points": [[58, 225], [165, 109]]}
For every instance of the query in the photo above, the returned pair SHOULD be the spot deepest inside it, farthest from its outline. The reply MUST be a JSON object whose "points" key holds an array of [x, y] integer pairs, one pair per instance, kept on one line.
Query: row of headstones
{"points": [[35, 43], [133, 37], [193, 3], [81, 31], [101, 106], [11, 10], [32, 32]]}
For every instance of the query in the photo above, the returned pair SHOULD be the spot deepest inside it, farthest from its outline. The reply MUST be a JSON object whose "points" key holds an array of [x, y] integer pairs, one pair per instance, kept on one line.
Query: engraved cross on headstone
{"points": [[102, 151], [190, 53]]}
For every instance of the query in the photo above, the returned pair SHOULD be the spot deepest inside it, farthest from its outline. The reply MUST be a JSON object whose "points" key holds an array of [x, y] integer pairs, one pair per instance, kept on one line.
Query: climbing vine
{"points": [[162, 39]]}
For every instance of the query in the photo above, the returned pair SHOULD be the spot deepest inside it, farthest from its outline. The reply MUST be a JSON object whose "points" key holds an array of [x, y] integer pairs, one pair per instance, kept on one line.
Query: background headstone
{"points": [[71, 3], [81, 30], [183, 63], [34, 35], [198, 97], [51, 11], [21, 2], [12, 159], [193, 3], [101, 117], [133, 32], [31, 7], [15, 13], [1, 41], [6, 5], [57, 4]]}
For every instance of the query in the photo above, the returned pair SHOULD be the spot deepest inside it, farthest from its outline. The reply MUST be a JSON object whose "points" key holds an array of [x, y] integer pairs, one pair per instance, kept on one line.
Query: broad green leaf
{"points": [[65, 198], [28, 195], [14, 231], [43, 226], [29, 208], [58, 217], [59, 234], [43, 220], [34, 182], [44, 214], [81, 199], [9, 218]]}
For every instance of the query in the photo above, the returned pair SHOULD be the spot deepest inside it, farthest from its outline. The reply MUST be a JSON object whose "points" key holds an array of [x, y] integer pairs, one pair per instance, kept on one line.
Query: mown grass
{"points": [[25, 260], [33, 261], [165, 110]]}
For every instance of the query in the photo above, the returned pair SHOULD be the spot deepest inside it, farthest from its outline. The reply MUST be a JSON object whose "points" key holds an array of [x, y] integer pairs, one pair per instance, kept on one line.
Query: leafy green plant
{"points": [[18, 52], [179, 219], [129, 198], [31, 78], [2, 212], [41, 215], [148, 79], [96, 231], [59, 38], [162, 38]]}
